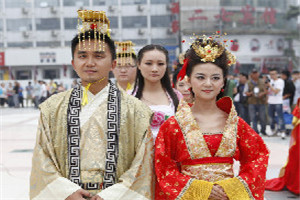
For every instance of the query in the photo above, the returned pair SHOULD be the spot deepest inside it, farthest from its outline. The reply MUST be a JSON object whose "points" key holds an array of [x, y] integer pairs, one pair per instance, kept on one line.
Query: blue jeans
{"points": [[258, 112], [242, 111], [276, 108]]}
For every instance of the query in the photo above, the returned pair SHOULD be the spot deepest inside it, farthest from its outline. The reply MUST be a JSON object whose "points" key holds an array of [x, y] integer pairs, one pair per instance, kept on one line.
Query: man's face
{"points": [[273, 75], [91, 62], [125, 70]]}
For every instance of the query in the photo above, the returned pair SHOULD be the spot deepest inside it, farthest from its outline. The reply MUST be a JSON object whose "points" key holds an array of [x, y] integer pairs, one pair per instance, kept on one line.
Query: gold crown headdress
{"points": [[95, 22], [125, 52], [208, 49]]}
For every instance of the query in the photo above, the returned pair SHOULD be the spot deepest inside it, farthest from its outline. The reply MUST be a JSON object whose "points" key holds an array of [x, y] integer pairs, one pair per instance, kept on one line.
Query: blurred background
{"points": [[35, 35]]}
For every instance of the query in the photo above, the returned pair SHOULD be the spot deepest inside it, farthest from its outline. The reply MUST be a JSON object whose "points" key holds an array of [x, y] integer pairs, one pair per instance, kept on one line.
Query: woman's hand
{"points": [[217, 193]]}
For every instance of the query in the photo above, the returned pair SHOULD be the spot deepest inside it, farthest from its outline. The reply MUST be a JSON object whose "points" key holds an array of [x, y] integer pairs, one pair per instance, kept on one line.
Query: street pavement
{"points": [[17, 139]]}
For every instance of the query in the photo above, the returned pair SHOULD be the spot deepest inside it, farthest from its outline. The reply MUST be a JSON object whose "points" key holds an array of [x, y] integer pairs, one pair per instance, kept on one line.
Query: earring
{"points": [[222, 90]]}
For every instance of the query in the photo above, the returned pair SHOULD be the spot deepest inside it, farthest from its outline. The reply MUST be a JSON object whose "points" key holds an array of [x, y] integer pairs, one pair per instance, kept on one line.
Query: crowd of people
{"points": [[33, 94], [147, 137], [267, 99]]}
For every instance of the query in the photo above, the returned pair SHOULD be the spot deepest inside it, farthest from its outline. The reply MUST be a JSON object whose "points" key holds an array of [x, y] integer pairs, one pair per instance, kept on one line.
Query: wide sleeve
{"points": [[253, 156], [171, 183], [46, 181], [137, 183]]}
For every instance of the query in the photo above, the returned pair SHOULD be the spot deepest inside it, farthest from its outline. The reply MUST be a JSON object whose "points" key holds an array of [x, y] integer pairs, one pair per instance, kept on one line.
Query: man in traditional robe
{"points": [[125, 70], [93, 141]]}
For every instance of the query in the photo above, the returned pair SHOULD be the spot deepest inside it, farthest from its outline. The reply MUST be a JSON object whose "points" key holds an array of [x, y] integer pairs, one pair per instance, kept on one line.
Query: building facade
{"points": [[257, 31], [35, 35]]}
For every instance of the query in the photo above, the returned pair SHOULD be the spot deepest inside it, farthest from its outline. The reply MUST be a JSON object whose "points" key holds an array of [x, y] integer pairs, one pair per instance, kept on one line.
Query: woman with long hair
{"points": [[195, 149], [153, 86]]}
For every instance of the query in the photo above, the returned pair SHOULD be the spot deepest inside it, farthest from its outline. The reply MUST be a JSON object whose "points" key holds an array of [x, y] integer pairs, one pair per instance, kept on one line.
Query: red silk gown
{"points": [[289, 175], [188, 162]]}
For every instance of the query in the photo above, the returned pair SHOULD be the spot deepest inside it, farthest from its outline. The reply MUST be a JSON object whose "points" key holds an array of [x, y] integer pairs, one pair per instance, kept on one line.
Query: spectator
{"points": [[289, 89], [16, 94], [43, 94], [256, 93], [230, 88], [29, 95], [275, 101], [296, 81], [20, 94], [10, 95], [3, 95], [36, 93], [240, 99]]}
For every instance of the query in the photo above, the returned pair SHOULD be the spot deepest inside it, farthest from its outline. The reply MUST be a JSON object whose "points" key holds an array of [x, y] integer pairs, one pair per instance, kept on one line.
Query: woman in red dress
{"points": [[195, 149], [289, 174]]}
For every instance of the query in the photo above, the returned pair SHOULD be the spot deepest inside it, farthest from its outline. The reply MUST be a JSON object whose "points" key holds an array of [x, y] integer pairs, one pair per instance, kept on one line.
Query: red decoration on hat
{"points": [[183, 41], [209, 51], [93, 26], [182, 72], [231, 41]]}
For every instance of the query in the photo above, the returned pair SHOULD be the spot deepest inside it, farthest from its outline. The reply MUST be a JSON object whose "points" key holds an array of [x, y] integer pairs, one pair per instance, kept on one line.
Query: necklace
{"points": [[149, 101]]}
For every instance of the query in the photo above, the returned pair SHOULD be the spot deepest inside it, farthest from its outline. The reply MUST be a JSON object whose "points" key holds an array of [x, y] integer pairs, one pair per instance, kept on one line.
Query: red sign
{"points": [[269, 16], [224, 16], [175, 26], [175, 8], [2, 59], [248, 17]]}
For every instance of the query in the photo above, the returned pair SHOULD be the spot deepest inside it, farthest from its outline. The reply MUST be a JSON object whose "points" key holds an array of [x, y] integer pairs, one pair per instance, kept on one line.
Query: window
{"points": [[71, 23], [47, 24], [19, 44], [140, 42], [161, 21], [113, 22], [167, 41], [17, 4], [1, 25], [48, 44], [46, 3], [23, 74], [161, 1], [76, 3], [134, 22], [19, 25], [133, 2], [51, 74]]}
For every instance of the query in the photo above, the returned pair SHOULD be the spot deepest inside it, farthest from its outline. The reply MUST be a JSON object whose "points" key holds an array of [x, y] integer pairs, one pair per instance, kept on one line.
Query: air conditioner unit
{"points": [[25, 11], [141, 8], [25, 34], [53, 10], [141, 31], [111, 8], [169, 31], [54, 33]]}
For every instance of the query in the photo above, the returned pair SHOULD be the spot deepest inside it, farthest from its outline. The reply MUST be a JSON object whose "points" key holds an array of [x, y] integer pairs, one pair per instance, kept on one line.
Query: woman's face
{"points": [[207, 81], [153, 65], [183, 87]]}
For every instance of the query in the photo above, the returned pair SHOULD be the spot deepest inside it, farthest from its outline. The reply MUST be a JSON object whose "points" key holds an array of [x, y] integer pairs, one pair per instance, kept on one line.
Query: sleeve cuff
{"points": [[198, 190], [235, 189]]}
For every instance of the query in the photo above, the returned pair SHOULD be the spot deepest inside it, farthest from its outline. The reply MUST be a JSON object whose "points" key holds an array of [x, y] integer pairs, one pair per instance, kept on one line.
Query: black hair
{"points": [[273, 69], [244, 74], [221, 61], [287, 73], [165, 81], [91, 35]]}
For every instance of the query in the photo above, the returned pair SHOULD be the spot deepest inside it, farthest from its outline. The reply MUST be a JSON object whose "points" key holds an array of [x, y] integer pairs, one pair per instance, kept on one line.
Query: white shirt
{"points": [[297, 91], [276, 98]]}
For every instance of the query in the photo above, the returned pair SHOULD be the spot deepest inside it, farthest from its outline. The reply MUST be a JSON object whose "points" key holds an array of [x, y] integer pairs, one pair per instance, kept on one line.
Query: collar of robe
{"points": [[113, 130]]}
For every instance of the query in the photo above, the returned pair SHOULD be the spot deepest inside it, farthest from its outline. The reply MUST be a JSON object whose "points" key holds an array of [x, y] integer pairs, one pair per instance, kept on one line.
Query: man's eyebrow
{"points": [[99, 52], [81, 52]]}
